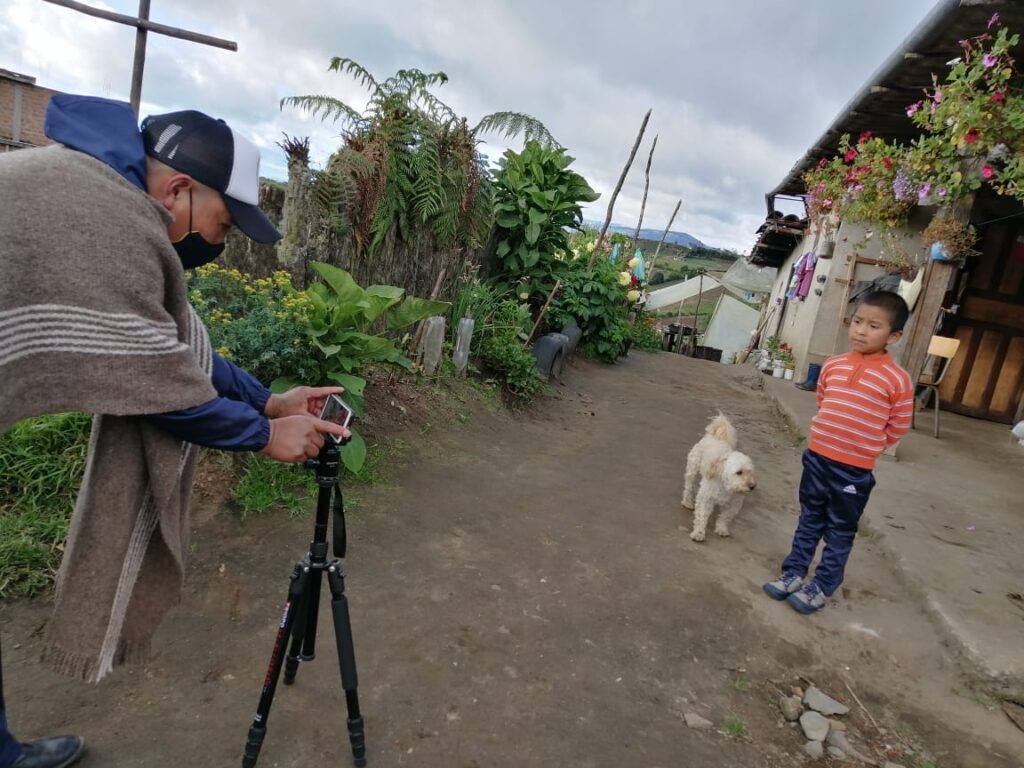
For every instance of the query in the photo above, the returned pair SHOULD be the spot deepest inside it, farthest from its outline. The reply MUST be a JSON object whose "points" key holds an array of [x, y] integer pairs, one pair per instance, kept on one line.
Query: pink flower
{"points": [[941, 192], [913, 108], [866, 136], [971, 137], [822, 163], [922, 193], [999, 97], [988, 172], [990, 60], [887, 162], [937, 98], [827, 202], [993, 21], [850, 156]]}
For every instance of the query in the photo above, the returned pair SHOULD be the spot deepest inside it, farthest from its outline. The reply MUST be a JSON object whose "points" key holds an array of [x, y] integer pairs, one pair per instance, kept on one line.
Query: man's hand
{"points": [[296, 438], [299, 401]]}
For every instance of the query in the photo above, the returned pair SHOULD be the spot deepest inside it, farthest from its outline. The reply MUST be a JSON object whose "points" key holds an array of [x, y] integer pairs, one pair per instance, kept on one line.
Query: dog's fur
{"points": [[717, 475]]}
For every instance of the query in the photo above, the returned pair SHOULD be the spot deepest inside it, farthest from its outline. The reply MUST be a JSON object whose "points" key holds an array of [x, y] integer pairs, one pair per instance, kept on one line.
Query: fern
{"points": [[410, 164]]}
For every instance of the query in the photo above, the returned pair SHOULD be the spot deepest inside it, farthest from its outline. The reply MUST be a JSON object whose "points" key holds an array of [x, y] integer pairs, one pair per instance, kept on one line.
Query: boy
{"points": [[865, 404]]}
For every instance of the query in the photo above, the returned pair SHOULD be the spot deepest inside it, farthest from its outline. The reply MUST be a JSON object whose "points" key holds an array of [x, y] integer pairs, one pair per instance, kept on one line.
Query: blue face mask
{"points": [[193, 249]]}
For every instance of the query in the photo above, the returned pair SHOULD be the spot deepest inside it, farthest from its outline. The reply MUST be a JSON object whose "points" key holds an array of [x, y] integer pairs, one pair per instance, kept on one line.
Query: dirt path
{"points": [[524, 593]]}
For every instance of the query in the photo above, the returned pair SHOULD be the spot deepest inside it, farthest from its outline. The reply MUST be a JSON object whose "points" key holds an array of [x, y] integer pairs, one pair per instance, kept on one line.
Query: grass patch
{"points": [[736, 728], [41, 464], [741, 683], [266, 483]]}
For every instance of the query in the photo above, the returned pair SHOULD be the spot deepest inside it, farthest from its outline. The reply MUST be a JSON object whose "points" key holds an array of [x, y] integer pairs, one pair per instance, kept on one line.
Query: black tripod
{"points": [[302, 608]]}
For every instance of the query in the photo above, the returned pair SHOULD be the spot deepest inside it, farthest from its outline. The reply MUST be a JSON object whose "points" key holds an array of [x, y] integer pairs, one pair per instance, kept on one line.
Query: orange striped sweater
{"points": [[865, 404]]}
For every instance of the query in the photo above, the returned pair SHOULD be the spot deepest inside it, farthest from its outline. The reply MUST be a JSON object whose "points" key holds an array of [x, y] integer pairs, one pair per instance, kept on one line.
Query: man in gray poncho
{"points": [[94, 317]]}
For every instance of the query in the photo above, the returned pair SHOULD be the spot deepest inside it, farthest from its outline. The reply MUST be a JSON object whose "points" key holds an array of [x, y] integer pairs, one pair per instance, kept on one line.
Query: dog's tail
{"points": [[722, 429]]}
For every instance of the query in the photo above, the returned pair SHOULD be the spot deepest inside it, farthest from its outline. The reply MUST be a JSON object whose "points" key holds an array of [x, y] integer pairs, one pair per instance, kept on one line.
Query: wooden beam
{"points": [[937, 279], [145, 24]]}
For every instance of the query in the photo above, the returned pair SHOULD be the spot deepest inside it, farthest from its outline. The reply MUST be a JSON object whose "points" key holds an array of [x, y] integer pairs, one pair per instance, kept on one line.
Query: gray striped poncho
{"points": [[94, 317]]}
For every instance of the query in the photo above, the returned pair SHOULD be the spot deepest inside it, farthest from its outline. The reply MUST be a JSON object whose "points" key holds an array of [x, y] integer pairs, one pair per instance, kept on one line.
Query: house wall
{"points": [[22, 111], [815, 328]]}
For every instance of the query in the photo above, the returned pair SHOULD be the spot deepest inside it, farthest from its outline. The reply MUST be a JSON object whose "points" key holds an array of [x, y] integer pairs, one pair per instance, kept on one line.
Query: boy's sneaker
{"points": [[808, 600], [784, 586]]}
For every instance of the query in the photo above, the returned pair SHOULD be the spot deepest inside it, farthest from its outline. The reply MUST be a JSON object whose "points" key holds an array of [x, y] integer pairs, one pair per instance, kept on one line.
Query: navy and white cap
{"points": [[214, 154]]}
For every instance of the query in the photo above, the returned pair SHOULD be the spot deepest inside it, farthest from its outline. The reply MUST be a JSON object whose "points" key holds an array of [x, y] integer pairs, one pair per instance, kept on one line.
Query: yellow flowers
{"points": [[524, 295], [625, 278], [634, 261], [590, 247], [633, 295]]}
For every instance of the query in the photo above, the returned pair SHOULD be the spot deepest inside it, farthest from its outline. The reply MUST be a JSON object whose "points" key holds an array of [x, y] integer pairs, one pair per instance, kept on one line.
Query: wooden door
{"points": [[986, 379]]}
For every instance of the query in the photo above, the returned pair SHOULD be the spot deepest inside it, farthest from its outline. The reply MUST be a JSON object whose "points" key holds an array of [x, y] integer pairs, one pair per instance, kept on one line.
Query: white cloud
{"points": [[739, 88]]}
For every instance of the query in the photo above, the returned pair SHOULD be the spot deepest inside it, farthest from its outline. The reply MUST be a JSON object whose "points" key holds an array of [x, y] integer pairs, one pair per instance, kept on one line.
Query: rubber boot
{"points": [[811, 382]]}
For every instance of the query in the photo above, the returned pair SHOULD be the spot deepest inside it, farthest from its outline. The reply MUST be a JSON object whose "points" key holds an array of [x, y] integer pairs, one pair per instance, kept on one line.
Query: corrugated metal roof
{"points": [[880, 105]]}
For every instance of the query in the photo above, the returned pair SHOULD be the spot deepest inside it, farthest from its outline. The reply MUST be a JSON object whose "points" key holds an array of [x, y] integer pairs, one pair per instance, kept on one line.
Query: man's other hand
{"points": [[299, 401], [296, 438]]}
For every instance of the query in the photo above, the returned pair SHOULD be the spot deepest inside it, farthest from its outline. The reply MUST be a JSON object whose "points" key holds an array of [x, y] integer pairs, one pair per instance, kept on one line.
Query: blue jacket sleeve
{"points": [[232, 422], [231, 381], [221, 423]]}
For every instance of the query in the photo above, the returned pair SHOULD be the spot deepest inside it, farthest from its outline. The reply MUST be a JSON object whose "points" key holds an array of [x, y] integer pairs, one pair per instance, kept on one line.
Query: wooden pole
{"points": [[140, 57], [423, 323], [543, 311], [618, 188], [700, 297], [149, 26], [143, 26], [647, 185], [938, 278], [664, 234]]}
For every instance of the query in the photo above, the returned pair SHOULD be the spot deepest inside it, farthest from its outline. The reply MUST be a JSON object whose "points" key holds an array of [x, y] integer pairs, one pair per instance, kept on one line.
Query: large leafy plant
{"points": [[537, 203], [409, 163], [596, 300], [351, 326]]}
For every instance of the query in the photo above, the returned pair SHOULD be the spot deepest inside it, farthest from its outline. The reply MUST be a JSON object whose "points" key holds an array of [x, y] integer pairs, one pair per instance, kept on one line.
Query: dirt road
{"points": [[524, 593]]}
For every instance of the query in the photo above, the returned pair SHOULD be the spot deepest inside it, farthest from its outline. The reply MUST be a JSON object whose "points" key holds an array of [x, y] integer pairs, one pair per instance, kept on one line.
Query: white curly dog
{"points": [[717, 475]]}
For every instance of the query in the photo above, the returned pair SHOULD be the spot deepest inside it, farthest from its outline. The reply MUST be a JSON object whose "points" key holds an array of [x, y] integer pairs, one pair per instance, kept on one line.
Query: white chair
{"points": [[944, 349]]}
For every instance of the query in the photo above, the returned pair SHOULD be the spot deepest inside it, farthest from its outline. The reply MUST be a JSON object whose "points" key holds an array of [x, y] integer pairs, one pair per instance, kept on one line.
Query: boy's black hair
{"points": [[892, 303]]}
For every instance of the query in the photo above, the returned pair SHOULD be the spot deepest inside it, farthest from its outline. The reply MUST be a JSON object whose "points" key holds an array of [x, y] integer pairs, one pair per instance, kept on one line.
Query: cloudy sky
{"points": [[740, 88]]}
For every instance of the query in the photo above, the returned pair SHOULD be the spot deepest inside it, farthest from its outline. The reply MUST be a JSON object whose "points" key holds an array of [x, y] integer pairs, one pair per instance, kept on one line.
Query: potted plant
{"points": [[948, 239]]}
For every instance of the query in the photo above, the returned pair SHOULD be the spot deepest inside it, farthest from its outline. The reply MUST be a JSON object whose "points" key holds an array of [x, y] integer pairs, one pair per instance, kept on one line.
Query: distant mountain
{"points": [[677, 238]]}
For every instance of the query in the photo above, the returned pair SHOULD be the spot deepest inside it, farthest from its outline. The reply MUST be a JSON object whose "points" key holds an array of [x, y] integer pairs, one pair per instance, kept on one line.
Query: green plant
{"points": [[505, 356], [476, 300], [736, 728], [741, 683], [957, 238], [351, 326], [861, 183], [41, 465], [500, 350], [596, 301], [537, 199], [260, 324], [645, 335], [265, 483], [409, 162]]}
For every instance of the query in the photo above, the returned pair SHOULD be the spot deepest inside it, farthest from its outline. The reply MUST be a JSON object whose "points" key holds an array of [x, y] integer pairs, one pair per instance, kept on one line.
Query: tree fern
{"points": [[410, 164]]}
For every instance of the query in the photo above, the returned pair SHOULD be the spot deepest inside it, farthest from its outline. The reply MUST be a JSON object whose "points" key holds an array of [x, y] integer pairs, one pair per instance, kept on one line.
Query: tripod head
{"points": [[326, 466], [326, 463]]}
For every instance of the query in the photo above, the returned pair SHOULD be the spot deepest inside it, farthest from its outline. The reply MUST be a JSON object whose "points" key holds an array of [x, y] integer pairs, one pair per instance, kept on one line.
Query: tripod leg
{"points": [[347, 663], [304, 633], [258, 730]]}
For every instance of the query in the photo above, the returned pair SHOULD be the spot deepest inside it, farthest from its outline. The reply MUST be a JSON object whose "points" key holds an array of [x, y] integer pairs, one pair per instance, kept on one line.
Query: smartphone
{"points": [[336, 411]]}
